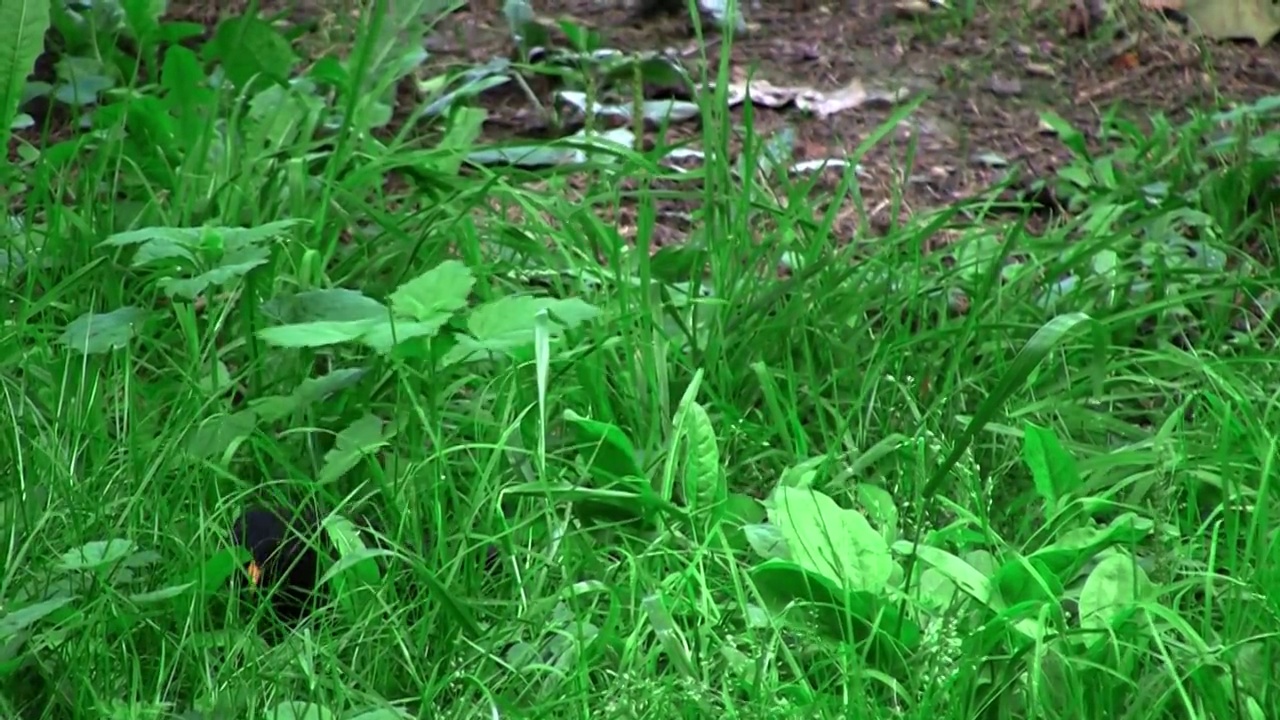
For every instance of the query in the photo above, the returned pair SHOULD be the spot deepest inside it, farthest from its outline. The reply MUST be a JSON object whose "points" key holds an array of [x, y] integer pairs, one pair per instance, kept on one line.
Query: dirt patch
{"points": [[987, 80]]}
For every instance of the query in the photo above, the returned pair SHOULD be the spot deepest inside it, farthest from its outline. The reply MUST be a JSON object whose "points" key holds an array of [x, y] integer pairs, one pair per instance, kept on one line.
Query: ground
{"points": [[1030, 476], [987, 81]]}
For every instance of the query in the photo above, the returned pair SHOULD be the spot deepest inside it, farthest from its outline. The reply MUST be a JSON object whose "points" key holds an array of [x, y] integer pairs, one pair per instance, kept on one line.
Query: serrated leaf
{"points": [[356, 441], [384, 335], [435, 295], [235, 267], [249, 49]]}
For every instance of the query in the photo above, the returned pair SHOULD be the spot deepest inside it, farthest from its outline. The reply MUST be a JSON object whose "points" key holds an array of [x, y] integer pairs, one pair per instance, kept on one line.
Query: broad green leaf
{"points": [[358, 440], [509, 318], [239, 238], [704, 482], [184, 237], [1053, 470], [879, 507], [837, 611], [767, 541], [385, 334], [572, 312], [96, 554], [316, 334], [334, 304], [802, 475], [234, 268], [1028, 580], [435, 295], [12, 623], [163, 594], [213, 437], [316, 389], [95, 333], [827, 539], [251, 50], [1116, 586], [962, 574], [23, 24], [609, 452], [1074, 548], [160, 249], [187, 93], [296, 710], [356, 573], [382, 714]]}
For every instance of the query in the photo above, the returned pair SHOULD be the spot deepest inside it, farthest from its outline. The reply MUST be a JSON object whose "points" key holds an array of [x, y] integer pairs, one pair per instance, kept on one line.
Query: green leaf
{"points": [[183, 237], [220, 433], [829, 540], [81, 81], [609, 454], [356, 573], [1114, 588], [802, 476], [384, 335], [1044, 342], [383, 714], [187, 93], [96, 554], [314, 390], [15, 622], [839, 611], [360, 439], [23, 24], [1028, 580], [705, 487], [96, 333], [435, 295], [1052, 468], [508, 319], [316, 334], [334, 304], [235, 266], [879, 507], [295, 710], [960, 573], [767, 541], [250, 49], [238, 238]]}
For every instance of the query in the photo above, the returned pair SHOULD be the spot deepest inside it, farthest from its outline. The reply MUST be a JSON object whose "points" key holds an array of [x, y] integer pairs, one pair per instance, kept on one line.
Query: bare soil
{"points": [[987, 82]]}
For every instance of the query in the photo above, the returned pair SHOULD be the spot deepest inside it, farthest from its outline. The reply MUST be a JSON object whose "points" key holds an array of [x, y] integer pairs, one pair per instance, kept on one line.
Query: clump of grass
{"points": [[712, 492]]}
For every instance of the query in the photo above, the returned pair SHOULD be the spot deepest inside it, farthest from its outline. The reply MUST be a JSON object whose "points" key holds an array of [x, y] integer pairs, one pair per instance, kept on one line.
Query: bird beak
{"points": [[255, 574]]}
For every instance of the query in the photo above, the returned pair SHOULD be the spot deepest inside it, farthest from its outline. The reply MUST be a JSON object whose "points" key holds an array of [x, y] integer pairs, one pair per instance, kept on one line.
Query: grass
{"points": [[1029, 476]]}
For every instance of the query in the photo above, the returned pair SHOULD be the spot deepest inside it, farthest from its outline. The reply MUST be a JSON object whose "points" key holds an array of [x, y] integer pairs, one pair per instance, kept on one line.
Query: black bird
{"points": [[284, 562], [286, 548]]}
